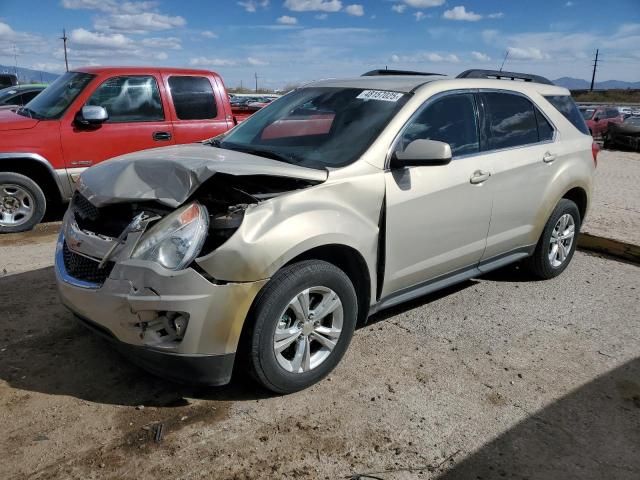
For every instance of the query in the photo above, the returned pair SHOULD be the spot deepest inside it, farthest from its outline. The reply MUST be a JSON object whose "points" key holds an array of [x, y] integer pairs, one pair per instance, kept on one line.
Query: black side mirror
{"points": [[92, 115], [422, 153], [596, 119]]}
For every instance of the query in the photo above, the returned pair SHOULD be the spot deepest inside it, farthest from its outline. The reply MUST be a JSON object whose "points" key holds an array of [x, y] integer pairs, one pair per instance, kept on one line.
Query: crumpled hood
{"points": [[12, 121], [170, 175]]}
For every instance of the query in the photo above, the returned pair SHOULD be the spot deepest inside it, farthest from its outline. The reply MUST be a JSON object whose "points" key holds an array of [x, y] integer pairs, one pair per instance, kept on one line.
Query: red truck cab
{"points": [[598, 119], [92, 114]]}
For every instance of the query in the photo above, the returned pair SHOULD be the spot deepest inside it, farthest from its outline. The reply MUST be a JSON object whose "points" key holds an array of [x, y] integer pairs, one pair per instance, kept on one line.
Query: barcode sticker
{"points": [[380, 95]]}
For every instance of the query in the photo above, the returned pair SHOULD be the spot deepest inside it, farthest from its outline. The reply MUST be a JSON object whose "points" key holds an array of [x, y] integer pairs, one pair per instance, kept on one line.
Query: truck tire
{"points": [[304, 319], [22, 203]]}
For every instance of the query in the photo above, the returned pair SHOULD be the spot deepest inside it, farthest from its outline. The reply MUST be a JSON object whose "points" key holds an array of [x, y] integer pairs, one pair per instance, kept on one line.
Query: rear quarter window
{"points": [[567, 107]]}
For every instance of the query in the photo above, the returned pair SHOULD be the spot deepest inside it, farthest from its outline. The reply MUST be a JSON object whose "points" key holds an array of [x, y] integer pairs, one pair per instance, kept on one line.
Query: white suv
{"points": [[337, 200]]}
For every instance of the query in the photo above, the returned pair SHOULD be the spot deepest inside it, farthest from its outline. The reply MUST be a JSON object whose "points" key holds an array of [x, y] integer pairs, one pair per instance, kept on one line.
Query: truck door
{"points": [[138, 120], [197, 108]]}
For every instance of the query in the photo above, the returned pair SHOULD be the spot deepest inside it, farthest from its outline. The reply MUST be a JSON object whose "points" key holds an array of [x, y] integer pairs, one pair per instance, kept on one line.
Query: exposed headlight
{"points": [[177, 239]]}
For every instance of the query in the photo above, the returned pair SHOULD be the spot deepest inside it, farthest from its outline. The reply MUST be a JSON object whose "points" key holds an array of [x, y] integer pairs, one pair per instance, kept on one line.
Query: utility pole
{"points": [[256, 75], [15, 60], [595, 67], [64, 42], [506, 54]]}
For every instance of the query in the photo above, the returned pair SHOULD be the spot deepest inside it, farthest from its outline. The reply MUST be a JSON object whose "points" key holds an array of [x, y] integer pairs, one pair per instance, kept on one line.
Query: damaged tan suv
{"points": [[344, 197]]}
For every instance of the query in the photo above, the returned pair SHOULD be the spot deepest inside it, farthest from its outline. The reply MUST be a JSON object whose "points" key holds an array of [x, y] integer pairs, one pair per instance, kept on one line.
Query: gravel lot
{"points": [[500, 377]]}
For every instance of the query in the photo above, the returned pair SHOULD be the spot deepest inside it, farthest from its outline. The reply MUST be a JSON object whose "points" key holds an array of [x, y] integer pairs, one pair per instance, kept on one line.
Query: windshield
{"points": [[316, 127], [56, 98], [587, 113]]}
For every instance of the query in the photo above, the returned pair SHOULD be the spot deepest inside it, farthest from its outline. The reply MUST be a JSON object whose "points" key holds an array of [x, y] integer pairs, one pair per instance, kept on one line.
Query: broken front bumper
{"points": [[173, 323]]}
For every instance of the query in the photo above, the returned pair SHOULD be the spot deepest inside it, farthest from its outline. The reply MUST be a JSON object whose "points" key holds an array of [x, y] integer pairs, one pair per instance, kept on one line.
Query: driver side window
{"points": [[129, 99], [450, 119]]}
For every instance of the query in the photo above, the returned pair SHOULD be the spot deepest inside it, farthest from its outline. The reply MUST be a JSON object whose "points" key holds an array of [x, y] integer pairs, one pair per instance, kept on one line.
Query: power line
{"points": [[595, 67]]}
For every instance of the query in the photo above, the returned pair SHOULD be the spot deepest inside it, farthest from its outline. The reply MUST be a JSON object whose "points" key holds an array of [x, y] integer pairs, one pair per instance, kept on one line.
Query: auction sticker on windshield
{"points": [[380, 95]]}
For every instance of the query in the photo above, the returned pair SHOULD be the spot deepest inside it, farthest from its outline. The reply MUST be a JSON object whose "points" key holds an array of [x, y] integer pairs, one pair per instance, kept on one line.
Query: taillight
{"points": [[595, 149]]}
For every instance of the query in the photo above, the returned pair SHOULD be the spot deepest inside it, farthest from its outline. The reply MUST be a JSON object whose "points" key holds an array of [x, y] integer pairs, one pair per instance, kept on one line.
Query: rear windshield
{"points": [[566, 106]]}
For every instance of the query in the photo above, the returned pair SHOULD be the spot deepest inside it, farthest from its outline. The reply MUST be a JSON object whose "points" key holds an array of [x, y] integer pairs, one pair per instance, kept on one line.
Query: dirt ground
{"points": [[500, 377]]}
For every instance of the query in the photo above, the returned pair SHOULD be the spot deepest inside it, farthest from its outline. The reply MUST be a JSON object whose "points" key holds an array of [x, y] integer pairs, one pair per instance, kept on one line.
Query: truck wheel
{"points": [[558, 242], [22, 203], [304, 320]]}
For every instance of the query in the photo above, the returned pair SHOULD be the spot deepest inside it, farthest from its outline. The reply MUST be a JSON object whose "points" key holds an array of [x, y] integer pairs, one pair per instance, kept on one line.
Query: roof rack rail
{"points": [[381, 72], [500, 75]]}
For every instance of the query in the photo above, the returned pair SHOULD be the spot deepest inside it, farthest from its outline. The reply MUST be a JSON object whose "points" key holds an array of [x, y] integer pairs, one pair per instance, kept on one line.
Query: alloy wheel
{"points": [[16, 205], [308, 329], [561, 241]]}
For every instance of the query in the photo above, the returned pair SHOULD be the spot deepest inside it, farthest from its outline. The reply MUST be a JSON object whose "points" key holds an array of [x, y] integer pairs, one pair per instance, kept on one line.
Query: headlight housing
{"points": [[177, 239]]}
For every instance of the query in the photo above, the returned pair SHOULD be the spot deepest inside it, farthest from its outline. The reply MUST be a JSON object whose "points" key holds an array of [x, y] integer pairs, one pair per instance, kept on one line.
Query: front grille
{"points": [[83, 208], [83, 268]]}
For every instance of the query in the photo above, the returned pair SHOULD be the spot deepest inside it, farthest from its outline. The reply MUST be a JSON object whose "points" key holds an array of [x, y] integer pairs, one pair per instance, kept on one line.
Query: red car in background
{"points": [[598, 119], [91, 114]]}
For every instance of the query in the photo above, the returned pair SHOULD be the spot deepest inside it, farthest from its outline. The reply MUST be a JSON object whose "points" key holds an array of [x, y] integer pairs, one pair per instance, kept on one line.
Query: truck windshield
{"points": [[316, 127], [56, 98]]}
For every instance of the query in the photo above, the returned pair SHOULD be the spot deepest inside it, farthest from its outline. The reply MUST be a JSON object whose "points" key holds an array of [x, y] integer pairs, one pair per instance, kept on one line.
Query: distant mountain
{"points": [[26, 75], [580, 84]]}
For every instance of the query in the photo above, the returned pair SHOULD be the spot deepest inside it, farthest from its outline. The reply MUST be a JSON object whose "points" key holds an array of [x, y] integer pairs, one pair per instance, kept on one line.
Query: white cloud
{"points": [[313, 5], [496, 15], [481, 57], [527, 53], [569, 4], [460, 13], [287, 20], [138, 23], [398, 8], [422, 57], [252, 6], [171, 43], [321, 16], [424, 3], [419, 16], [102, 5], [85, 38], [212, 62], [356, 10], [209, 34], [256, 61]]}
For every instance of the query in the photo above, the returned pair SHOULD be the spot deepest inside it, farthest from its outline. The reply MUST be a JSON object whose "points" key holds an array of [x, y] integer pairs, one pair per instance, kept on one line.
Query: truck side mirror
{"points": [[92, 115]]}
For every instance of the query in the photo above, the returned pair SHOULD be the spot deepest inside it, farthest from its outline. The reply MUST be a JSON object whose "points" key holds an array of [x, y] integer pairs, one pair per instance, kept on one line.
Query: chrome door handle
{"points": [[479, 176], [548, 157]]}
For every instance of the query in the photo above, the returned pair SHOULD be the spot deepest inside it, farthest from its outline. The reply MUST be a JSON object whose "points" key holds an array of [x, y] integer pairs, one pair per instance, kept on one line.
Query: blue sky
{"points": [[293, 41]]}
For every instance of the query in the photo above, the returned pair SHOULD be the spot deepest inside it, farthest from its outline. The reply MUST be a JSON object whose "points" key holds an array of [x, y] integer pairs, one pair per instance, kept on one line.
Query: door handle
{"points": [[548, 157], [479, 176], [161, 136]]}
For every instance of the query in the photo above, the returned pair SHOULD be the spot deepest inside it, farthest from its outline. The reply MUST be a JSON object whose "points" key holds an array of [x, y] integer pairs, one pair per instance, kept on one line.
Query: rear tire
{"points": [[22, 203], [304, 319], [557, 243]]}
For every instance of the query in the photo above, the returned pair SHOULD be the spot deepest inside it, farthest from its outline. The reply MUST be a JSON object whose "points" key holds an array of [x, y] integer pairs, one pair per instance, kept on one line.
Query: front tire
{"points": [[303, 323], [22, 203], [557, 244]]}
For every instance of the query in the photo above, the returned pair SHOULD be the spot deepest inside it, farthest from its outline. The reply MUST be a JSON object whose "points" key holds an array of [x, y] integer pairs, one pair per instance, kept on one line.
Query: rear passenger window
{"points": [[545, 130], [451, 119], [510, 121], [193, 98], [566, 106]]}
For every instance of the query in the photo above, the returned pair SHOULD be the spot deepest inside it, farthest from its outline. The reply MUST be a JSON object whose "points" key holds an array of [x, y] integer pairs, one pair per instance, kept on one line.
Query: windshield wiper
{"points": [[30, 113], [281, 157]]}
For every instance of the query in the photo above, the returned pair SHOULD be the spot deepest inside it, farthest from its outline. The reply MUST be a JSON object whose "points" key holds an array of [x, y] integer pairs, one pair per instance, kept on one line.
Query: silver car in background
{"points": [[344, 197]]}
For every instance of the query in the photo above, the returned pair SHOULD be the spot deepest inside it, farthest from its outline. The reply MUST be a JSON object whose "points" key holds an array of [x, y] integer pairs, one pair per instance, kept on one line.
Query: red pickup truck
{"points": [[92, 114]]}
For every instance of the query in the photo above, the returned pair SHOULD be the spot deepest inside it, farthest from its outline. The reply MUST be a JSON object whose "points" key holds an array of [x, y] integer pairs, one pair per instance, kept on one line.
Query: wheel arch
{"points": [[578, 195], [37, 169]]}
